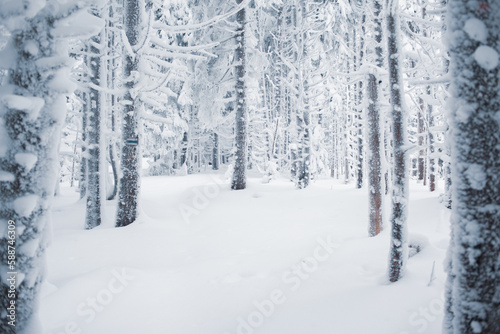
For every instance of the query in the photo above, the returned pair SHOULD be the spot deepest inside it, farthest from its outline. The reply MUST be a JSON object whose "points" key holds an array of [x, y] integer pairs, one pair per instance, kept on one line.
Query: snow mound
{"points": [[25, 205], [29, 104], [27, 160], [486, 57], [476, 30], [476, 176], [79, 25], [6, 176]]}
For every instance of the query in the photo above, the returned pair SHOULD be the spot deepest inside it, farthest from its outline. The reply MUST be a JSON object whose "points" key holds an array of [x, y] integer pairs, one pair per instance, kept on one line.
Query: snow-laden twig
{"points": [[198, 26]]}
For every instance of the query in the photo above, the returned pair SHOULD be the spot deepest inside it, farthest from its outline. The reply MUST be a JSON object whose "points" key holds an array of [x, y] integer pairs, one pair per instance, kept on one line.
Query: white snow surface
{"points": [[266, 260], [476, 29], [486, 57]]}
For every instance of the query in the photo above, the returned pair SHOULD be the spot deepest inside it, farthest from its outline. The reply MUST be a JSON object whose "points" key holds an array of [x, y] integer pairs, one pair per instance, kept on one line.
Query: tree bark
{"points": [[473, 287], [239, 176], [95, 174], [129, 182], [399, 244]]}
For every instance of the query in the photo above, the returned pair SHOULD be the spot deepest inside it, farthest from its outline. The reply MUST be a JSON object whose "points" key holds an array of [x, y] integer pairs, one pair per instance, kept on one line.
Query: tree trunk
{"points": [[215, 152], [32, 112], [399, 244], [83, 160], [239, 176], [374, 132], [130, 159], [420, 133], [432, 160], [95, 174], [473, 286]]}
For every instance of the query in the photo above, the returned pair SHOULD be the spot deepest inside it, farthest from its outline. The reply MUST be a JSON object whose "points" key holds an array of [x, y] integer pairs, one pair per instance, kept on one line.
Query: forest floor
{"points": [[266, 260]]}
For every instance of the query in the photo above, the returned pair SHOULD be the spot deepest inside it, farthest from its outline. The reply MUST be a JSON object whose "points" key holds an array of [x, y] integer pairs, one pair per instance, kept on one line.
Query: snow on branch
{"points": [[198, 26], [168, 47]]}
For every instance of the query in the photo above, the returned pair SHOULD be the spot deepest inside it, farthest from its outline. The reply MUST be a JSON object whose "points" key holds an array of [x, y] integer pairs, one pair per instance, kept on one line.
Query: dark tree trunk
{"points": [[32, 113], [239, 176], [129, 182], [473, 287], [83, 161], [215, 152], [374, 133], [432, 160], [95, 172], [420, 133], [399, 246]]}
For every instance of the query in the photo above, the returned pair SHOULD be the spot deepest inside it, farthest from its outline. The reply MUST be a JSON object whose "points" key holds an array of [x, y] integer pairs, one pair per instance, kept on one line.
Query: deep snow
{"points": [[267, 260]]}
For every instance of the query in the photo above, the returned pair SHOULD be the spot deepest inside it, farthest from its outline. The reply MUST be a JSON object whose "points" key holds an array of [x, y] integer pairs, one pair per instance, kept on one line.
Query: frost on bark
{"points": [[95, 120], [473, 287], [373, 131], [215, 152], [32, 109], [239, 176], [128, 192], [399, 247], [303, 119], [83, 163]]}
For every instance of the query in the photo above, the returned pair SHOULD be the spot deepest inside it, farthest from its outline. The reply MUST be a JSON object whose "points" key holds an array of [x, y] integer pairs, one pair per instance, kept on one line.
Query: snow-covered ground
{"points": [[267, 260]]}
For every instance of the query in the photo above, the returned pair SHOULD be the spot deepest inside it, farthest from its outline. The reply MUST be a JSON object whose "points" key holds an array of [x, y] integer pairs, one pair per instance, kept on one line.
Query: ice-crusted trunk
{"points": [[473, 287], [83, 161], [420, 132], [128, 192], [374, 155], [111, 42], [303, 176], [239, 176], [215, 152], [32, 109], [399, 244], [431, 148], [95, 143], [361, 105]]}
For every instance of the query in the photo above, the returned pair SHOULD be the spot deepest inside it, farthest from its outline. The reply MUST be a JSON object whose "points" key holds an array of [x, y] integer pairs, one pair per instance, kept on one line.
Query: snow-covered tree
{"points": [[399, 242], [473, 288], [241, 121], [130, 156], [32, 109], [373, 122]]}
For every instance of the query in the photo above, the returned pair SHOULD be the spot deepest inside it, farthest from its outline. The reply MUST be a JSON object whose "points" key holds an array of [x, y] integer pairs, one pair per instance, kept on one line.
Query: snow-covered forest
{"points": [[250, 166]]}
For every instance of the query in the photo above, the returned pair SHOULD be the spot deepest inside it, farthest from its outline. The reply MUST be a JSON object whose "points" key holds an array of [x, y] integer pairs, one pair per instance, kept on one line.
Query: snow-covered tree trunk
{"points": [[95, 145], [473, 289], [420, 140], [83, 162], [32, 109], [239, 176], [431, 149], [374, 131], [128, 192], [215, 152], [399, 244], [360, 162]]}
